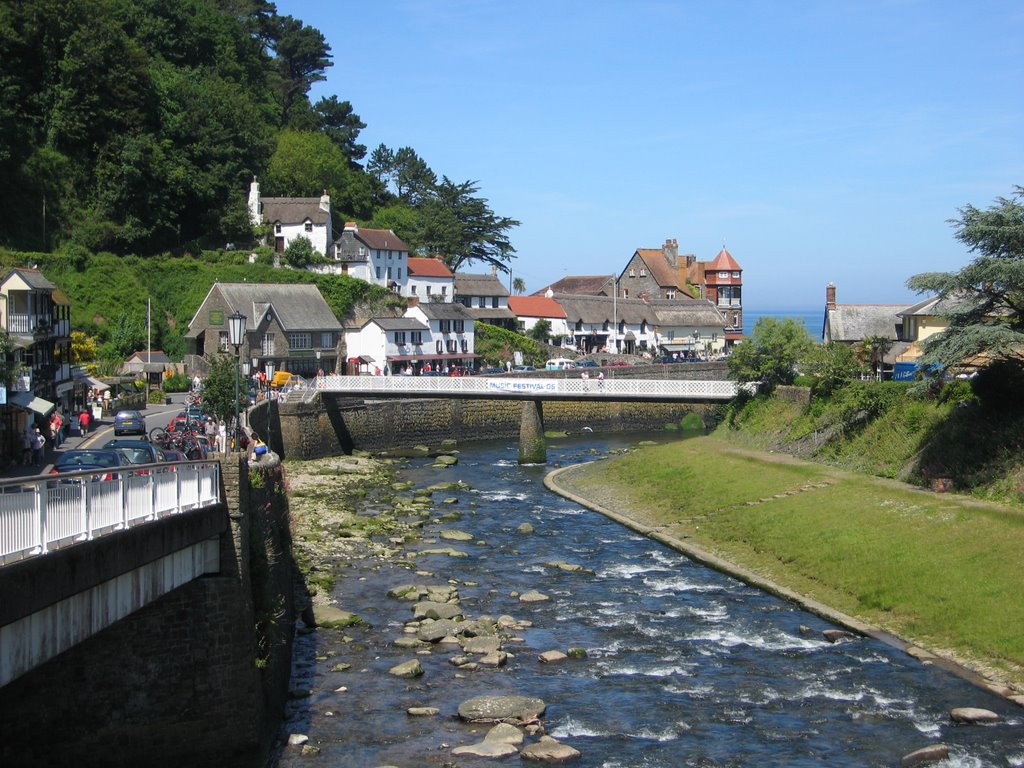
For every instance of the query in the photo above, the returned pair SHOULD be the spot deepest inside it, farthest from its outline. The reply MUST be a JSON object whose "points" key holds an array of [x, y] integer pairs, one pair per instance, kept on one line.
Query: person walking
{"points": [[83, 421], [222, 436], [38, 444]]}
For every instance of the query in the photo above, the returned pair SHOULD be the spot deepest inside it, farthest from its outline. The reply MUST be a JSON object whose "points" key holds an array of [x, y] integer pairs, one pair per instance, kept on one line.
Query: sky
{"points": [[817, 140]]}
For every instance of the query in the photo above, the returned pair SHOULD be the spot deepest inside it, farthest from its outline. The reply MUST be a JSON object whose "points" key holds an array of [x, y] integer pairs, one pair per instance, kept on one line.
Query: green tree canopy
{"points": [[219, 389], [832, 365], [771, 353], [984, 301], [300, 253]]}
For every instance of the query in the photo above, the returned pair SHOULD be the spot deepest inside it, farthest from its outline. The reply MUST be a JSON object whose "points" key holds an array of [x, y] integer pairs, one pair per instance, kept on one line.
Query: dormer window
{"points": [[309, 225]]}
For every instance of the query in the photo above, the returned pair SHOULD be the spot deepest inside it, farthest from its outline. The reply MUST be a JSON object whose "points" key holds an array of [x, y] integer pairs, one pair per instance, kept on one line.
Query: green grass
{"points": [[944, 571]]}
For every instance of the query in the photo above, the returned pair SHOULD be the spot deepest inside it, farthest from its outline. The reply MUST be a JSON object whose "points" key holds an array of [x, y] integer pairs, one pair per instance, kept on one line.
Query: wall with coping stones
{"points": [[176, 682], [312, 430]]}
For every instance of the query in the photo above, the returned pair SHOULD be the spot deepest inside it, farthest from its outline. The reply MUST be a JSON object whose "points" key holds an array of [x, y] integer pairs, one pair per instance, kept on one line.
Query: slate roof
{"points": [[535, 306], [399, 324], [479, 285], [856, 322], [33, 277], [439, 310], [421, 267], [579, 285], [154, 356], [382, 239], [293, 210]]}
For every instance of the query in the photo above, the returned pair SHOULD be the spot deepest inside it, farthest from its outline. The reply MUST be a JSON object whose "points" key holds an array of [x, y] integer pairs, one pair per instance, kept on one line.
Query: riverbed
{"points": [[683, 665]]}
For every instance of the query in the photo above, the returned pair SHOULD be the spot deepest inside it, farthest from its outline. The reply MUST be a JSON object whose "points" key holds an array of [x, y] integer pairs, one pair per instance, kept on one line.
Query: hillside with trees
{"points": [[133, 127]]}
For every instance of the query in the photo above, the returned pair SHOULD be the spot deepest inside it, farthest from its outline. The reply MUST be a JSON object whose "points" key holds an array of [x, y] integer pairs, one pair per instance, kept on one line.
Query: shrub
{"points": [[177, 382], [157, 396]]}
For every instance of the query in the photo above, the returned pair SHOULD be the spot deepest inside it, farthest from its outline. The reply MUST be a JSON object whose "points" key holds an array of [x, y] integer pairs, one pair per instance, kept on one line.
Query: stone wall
{"points": [[332, 427], [186, 680]]}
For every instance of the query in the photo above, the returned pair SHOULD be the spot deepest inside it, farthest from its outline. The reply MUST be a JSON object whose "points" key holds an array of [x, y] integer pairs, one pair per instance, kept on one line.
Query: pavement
{"points": [[99, 433]]}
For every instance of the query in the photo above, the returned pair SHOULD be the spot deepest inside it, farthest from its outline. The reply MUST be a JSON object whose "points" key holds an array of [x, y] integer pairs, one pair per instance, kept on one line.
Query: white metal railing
{"points": [[511, 387], [46, 512]]}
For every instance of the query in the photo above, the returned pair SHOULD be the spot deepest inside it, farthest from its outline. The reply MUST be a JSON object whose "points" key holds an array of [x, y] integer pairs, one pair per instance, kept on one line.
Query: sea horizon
{"points": [[812, 318]]}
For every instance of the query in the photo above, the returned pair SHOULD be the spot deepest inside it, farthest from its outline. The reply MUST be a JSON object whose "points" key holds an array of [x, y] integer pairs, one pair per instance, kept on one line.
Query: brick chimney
{"points": [[830, 296], [671, 252]]}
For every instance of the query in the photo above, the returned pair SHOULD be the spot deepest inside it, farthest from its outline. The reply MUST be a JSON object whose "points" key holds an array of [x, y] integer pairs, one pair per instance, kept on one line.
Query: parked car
{"points": [[84, 459], [587, 364], [523, 369], [491, 371], [136, 451], [129, 423]]}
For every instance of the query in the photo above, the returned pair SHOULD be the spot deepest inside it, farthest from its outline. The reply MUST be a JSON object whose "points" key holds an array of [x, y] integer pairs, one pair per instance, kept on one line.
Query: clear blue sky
{"points": [[818, 140]]}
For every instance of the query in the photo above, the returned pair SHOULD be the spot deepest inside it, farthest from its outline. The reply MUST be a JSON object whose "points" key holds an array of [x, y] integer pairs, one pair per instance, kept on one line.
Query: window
{"points": [[277, 229], [459, 326], [412, 289], [445, 326], [632, 273], [327, 340], [389, 255], [481, 302], [378, 273], [736, 275], [309, 226], [723, 275], [671, 335], [444, 290], [439, 346], [267, 347], [222, 341], [495, 302], [670, 294], [399, 273], [625, 293], [451, 345], [465, 345], [300, 341], [643, 273], [579, 325], [389, 274], [400, 338], [416, 337]]}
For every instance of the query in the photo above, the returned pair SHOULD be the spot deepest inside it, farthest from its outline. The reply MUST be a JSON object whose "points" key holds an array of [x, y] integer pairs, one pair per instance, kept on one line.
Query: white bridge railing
{"points": [[512, 386], [42, 513]]}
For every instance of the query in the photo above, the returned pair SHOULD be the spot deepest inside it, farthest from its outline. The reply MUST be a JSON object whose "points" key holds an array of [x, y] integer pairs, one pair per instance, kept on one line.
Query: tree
{"points": [[300, 253], [519, 286], [984, 301], [770, 355], [461, 227], [872, 351], [302, 56], [219, 388], [831, 365], [541, 331]]}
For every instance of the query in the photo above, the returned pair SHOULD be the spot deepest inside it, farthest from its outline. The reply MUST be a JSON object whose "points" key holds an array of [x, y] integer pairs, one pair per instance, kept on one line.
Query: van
{"points": [[559, 364], [280, 379]]}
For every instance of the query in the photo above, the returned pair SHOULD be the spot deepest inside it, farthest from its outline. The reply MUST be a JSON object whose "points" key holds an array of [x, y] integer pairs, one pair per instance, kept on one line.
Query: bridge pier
{"points": [[532, 448]]}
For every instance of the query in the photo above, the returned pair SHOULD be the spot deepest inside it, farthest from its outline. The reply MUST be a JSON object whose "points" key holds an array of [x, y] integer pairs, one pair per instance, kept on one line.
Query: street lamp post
{"points": [[236, 335], [268, 368], [318, 353]]}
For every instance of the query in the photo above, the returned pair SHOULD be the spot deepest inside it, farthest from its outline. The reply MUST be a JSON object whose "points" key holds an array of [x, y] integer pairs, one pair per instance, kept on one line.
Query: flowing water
{"points": [[685, 666]]}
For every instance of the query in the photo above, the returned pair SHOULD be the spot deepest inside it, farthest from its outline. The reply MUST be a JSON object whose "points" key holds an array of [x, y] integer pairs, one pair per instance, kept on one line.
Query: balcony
{"points": [[28, 324]]}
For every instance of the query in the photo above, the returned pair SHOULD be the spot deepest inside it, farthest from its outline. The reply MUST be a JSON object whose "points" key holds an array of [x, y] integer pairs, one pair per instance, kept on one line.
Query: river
{"points": [[685, 666]]}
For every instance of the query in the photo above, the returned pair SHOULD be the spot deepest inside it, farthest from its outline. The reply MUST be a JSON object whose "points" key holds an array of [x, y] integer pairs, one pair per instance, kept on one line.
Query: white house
{"points": [[486, 298], [430, 336], [429, 280], [529, 310], [291, 217], [383, 341], [377, 256]]}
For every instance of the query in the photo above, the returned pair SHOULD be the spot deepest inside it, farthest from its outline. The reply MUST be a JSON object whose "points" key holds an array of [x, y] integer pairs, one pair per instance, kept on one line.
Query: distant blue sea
{"points": [[811, 318]]}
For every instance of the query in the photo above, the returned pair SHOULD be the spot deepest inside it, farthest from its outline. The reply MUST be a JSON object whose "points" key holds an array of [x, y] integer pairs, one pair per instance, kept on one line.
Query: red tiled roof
{"points": [[422, 267], [663, 273], [535, 306], [723, 262]]}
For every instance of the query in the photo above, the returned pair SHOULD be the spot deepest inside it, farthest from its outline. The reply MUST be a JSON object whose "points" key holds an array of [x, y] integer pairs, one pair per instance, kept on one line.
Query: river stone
{"points": [[454, 535], [505, 732], [329, 616], [432, 631], [444, 551], [549, 657], [498, 708], [931, 754], [422, 711], [486, 749], [432, 610], [568, 567], [494, 659], [297, 739], [549, 750], [973, 715], [411, 668], [445, 461], [838, 635], [533, 596], [408, 642], [481, 644], [525, 529]]}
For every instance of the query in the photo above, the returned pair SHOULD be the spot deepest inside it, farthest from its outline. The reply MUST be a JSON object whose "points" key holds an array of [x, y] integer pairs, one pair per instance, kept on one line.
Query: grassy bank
{"points": [[940, 570]]}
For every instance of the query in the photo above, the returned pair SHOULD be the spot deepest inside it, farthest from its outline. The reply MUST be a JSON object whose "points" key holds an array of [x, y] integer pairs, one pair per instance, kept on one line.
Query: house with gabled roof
{"points": [[429, 280], [486, 298], [292, 217], [579, 285], [529, 310], [691, 328], [376, 256], [853, 323], [606, 324], [289, 324]]}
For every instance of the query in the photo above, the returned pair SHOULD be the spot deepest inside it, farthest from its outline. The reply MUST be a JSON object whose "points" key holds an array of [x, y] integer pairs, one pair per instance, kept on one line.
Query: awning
{"points": [[94, 383], [30, 402], [449, 356], [362, 359]]}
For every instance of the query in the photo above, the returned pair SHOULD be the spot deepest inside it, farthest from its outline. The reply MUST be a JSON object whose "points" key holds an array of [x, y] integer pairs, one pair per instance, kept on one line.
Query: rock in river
{"points": [[502, 708]]}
